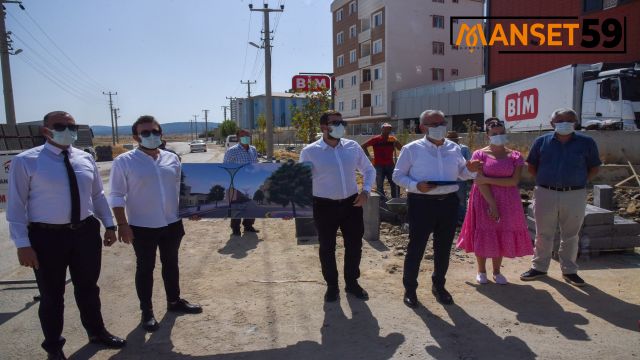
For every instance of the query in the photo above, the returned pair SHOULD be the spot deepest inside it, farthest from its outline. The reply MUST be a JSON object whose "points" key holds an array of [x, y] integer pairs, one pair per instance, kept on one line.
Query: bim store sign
{"points": [[538, 35], [310, 83]]}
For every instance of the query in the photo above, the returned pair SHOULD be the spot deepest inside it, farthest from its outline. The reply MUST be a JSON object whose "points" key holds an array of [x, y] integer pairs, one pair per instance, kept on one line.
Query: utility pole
{"points": [[206, 127], [9, 108], [267, 74], [115, 118], [113, 131], [191, 129], [248, 83], [225, 107], [195, 125]]}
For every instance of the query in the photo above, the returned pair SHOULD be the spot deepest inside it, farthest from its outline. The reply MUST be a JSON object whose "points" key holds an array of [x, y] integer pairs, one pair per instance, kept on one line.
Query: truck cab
{"points": [[611, 99]]}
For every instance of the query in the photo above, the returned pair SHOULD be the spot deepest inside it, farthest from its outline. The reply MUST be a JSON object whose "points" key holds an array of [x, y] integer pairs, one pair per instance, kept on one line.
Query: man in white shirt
{"points": [[336, 201], [54, 192], [146, 182], [429, 169]]}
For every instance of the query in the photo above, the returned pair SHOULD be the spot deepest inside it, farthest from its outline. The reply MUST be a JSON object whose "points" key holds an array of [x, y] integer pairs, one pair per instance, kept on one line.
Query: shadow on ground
{"points": [[240, 246]]}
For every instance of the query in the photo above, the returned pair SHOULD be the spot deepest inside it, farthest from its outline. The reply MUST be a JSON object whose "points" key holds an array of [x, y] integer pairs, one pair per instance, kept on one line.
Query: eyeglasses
{"points": [[63, 127], [147, 133], [338, 123]]}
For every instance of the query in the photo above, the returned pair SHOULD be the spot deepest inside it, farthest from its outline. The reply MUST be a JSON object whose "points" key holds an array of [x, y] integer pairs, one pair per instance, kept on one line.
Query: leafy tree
{"points": [[216, 193], [290, 184], [258, 196], [228, 127], [306, 120]]}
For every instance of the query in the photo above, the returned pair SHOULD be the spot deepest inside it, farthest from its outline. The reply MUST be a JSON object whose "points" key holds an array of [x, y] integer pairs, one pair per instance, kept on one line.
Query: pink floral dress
{"points": [[481, 234]]}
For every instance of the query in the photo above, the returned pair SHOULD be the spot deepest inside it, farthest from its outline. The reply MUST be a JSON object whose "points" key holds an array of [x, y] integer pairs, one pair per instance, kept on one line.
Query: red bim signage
{"points": [[522, 105], [310, 83]]}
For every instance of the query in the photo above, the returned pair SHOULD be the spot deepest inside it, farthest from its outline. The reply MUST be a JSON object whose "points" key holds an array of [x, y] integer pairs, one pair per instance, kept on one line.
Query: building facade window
{"points": [[352, 56], [439, 1], [340, 83], [438, 21], [454, 72], [377, 100], [438, 48], [377, 19], [340, 38], [377, 46], [354, 80], [366, 75], [353, 7], [352, 31], [437, 74], [340, 105], [340, 61], [377, 73], [339, 15], [354, 104]]}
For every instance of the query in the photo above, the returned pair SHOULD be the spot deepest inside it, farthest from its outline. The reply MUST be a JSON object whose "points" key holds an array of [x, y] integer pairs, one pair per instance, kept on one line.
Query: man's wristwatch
{"points": [[112, 227]]}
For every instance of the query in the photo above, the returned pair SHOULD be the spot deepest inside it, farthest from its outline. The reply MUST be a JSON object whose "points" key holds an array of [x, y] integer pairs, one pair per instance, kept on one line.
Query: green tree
{"points": [[260, 143], [306, 120], [258, 196], [228, 127], [216, 193], [290, 184]]}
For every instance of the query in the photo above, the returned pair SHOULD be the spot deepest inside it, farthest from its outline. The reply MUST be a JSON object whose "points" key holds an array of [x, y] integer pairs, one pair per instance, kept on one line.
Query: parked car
{"points": [[198, 145], [231, 141]]}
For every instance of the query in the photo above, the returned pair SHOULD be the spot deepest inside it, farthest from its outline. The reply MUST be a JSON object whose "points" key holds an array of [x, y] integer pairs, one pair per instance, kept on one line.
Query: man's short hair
{"points": [[564, 111], [144, 119], [429, 113], [324, 118], [46, 117], [241, 130]]}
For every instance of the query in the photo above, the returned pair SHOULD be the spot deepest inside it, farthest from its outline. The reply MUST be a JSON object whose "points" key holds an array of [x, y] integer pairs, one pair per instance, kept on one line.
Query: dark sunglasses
{"points": [[63, 127], [490, 124], [338, 123], [147, 133]]}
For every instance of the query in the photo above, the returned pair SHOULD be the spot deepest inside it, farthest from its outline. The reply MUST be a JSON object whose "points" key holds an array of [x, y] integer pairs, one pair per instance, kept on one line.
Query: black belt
{"points": [[61, 226], [325, 201], [564, 188], [431, 197]]}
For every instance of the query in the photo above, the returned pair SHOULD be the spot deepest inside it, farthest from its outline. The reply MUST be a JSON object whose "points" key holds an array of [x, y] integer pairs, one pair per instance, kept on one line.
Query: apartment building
{"points": [[380, 46]]}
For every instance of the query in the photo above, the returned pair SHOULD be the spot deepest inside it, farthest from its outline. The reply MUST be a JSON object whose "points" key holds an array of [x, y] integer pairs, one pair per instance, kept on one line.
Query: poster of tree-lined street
{"points": [[262, 190]]}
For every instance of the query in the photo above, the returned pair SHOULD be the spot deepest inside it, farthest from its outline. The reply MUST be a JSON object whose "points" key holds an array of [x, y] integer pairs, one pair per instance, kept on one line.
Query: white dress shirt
{"points": [[148, 188], [334, 169], [422, 160], [39, 190]]}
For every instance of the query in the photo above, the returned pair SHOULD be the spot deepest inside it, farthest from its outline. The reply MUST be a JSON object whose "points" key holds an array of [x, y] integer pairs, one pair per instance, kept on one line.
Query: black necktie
{"points": [[75, 192]]}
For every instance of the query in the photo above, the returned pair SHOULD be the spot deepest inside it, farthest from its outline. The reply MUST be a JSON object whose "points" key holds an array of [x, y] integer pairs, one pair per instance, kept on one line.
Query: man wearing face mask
{"points": [[337, 204], [429, 169], [562, 163], [242, 153], [384, 146], [54, 192], [146, 182]]}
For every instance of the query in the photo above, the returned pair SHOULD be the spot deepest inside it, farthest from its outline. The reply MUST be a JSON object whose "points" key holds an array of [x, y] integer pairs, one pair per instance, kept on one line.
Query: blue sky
{"points": [[168, 58], [201, 177]]}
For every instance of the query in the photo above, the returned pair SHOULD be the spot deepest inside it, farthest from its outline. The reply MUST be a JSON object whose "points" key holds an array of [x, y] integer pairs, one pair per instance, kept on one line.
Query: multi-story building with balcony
{"points": [[380, 46]]}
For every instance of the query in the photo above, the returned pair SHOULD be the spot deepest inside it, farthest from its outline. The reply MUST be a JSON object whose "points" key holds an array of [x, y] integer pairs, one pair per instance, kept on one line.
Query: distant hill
{"points": [[168, 128]]}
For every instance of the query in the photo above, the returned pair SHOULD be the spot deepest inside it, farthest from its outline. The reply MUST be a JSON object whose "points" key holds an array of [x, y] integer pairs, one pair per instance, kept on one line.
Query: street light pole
{"points": [[267, 74]]}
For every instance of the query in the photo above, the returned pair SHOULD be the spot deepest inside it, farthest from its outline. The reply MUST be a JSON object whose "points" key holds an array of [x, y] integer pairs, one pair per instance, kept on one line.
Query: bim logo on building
{"points": [[543, 34]]}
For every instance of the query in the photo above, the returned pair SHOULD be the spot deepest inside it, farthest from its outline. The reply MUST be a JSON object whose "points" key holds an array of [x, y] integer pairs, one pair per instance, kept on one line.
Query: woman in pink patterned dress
{"points": [[495, 226]]}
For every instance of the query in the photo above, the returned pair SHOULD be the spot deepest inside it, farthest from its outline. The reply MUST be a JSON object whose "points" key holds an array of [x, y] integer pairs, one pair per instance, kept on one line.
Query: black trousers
{"points": [[385, 172], [235, 223], [329, 215], [430, 214], [146, 243], [80, 250]]}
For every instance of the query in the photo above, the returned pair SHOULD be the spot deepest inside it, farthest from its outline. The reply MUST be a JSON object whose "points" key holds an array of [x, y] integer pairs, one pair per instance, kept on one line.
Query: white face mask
{"points": [[337, 132], [437, 133], [565, 128], [151, 142], [498, 139], [65, 138]]}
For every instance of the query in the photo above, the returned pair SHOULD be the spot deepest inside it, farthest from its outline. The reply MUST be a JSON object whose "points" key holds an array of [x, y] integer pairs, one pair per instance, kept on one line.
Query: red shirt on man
{"points": [[382, 149]]}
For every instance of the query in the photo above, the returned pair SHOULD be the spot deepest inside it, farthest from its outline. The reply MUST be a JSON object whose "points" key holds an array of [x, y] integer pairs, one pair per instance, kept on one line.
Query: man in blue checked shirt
{"points": [[242, 153]]}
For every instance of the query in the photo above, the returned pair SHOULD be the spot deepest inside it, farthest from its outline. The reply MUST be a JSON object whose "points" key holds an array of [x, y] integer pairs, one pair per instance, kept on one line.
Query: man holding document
{"points": [[429, 169]]}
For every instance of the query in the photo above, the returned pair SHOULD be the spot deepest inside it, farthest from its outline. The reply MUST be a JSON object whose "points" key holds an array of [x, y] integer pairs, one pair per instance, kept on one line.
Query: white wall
{"points": [[347, 94]]}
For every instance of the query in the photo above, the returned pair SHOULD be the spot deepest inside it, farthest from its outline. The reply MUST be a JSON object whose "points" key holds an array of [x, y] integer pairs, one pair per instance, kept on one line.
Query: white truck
{"points": [[603, 95]]}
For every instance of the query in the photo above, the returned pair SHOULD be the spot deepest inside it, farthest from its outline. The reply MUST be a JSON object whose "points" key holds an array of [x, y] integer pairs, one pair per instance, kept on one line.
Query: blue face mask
{"points": [[151, 141], [65, 137], [245, 140]]}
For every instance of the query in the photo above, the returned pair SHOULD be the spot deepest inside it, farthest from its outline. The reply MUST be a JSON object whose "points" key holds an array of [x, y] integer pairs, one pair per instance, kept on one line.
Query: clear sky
{"points": [[168, 58], [202, 177]]}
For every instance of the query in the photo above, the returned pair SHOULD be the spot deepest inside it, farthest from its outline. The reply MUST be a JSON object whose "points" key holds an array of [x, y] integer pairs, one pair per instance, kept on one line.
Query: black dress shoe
{"points": [[573, 279], [410, 299], [532, 274], [357, 291], [236, 232], [59, 355], [148, 321], [251, 229], [108, 340], [331, 294], [442, 295], [183, 306]]}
